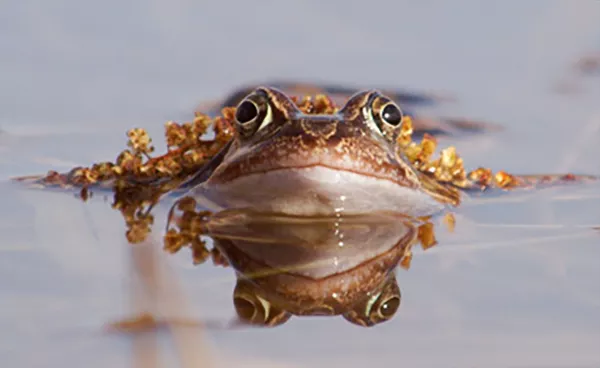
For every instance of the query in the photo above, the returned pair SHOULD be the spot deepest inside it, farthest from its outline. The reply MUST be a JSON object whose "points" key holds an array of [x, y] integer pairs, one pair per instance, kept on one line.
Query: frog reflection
{"points": [[253, 306], [319, 266]]}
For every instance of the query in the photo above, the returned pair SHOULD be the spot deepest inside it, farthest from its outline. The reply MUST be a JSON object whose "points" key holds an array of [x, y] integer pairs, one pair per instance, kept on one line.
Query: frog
{"points": [[282, 160]]}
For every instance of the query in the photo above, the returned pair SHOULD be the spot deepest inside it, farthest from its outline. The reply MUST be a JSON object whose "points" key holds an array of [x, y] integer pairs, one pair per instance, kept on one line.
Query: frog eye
{"points": [[377, 308], [246, 112], [386, 115], [388, 307], [255, 310], [391, 114], [253, 114]]}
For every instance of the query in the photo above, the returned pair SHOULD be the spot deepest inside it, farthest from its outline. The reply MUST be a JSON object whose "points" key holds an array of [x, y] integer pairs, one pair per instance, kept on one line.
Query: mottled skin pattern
{"points": [[285, 161], [343, 141]]}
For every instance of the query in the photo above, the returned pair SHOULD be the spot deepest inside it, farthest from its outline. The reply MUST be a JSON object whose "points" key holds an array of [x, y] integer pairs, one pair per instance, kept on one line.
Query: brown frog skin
{"points": [[309, 267], [284, 161]]}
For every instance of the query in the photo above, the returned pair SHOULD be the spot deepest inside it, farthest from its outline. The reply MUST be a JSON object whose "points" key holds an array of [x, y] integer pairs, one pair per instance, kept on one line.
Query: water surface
{"points": [[516, 285]]}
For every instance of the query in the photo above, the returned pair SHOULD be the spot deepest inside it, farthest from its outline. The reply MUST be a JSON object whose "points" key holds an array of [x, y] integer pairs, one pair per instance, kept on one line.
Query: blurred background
{"points": [[74, 76]]}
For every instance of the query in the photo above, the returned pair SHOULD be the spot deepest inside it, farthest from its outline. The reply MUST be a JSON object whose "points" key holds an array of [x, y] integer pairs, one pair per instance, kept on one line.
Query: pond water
{"points": [[517, 284]]}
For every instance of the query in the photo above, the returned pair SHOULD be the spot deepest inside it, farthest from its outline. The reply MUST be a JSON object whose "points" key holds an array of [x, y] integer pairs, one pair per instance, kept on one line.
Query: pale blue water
{"points": [[74, 76]]}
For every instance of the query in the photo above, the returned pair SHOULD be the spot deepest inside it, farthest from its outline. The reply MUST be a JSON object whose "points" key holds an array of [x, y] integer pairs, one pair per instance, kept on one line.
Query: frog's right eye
{"points": [[385, 115], [253, 114]]}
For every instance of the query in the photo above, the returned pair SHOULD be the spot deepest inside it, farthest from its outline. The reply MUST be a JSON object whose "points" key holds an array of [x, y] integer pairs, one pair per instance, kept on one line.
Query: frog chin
{"points": [[316, 191]]}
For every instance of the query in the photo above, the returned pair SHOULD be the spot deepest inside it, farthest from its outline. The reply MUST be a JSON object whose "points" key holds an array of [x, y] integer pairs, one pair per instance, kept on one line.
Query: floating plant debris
{"points": [[188, 151]]}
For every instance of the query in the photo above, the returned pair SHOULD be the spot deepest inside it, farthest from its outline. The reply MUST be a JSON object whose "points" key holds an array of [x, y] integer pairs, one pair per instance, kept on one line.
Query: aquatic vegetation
{"points": [[139, 178]]}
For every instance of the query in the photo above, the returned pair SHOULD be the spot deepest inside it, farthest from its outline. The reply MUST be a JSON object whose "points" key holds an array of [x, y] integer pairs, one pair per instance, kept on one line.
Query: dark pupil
{"points": [[246, 112], [392, 115], [389, 307]]}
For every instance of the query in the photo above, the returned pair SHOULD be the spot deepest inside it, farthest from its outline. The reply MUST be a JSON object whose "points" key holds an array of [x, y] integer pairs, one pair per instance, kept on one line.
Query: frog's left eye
{"points": [[253, 309], [253, 114]]}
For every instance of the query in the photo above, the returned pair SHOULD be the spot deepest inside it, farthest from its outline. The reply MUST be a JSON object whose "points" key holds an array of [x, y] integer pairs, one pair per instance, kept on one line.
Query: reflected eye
{"points": [[251, 308], [246, 112], [247, 310], [377, 308], [391, 114], [388, 308]]}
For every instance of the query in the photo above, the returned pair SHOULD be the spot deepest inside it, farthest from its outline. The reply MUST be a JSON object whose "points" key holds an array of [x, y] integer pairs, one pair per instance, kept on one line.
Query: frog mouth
{"points": [[373, 162], [356, 155], [392, 175], [316, 190]]}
